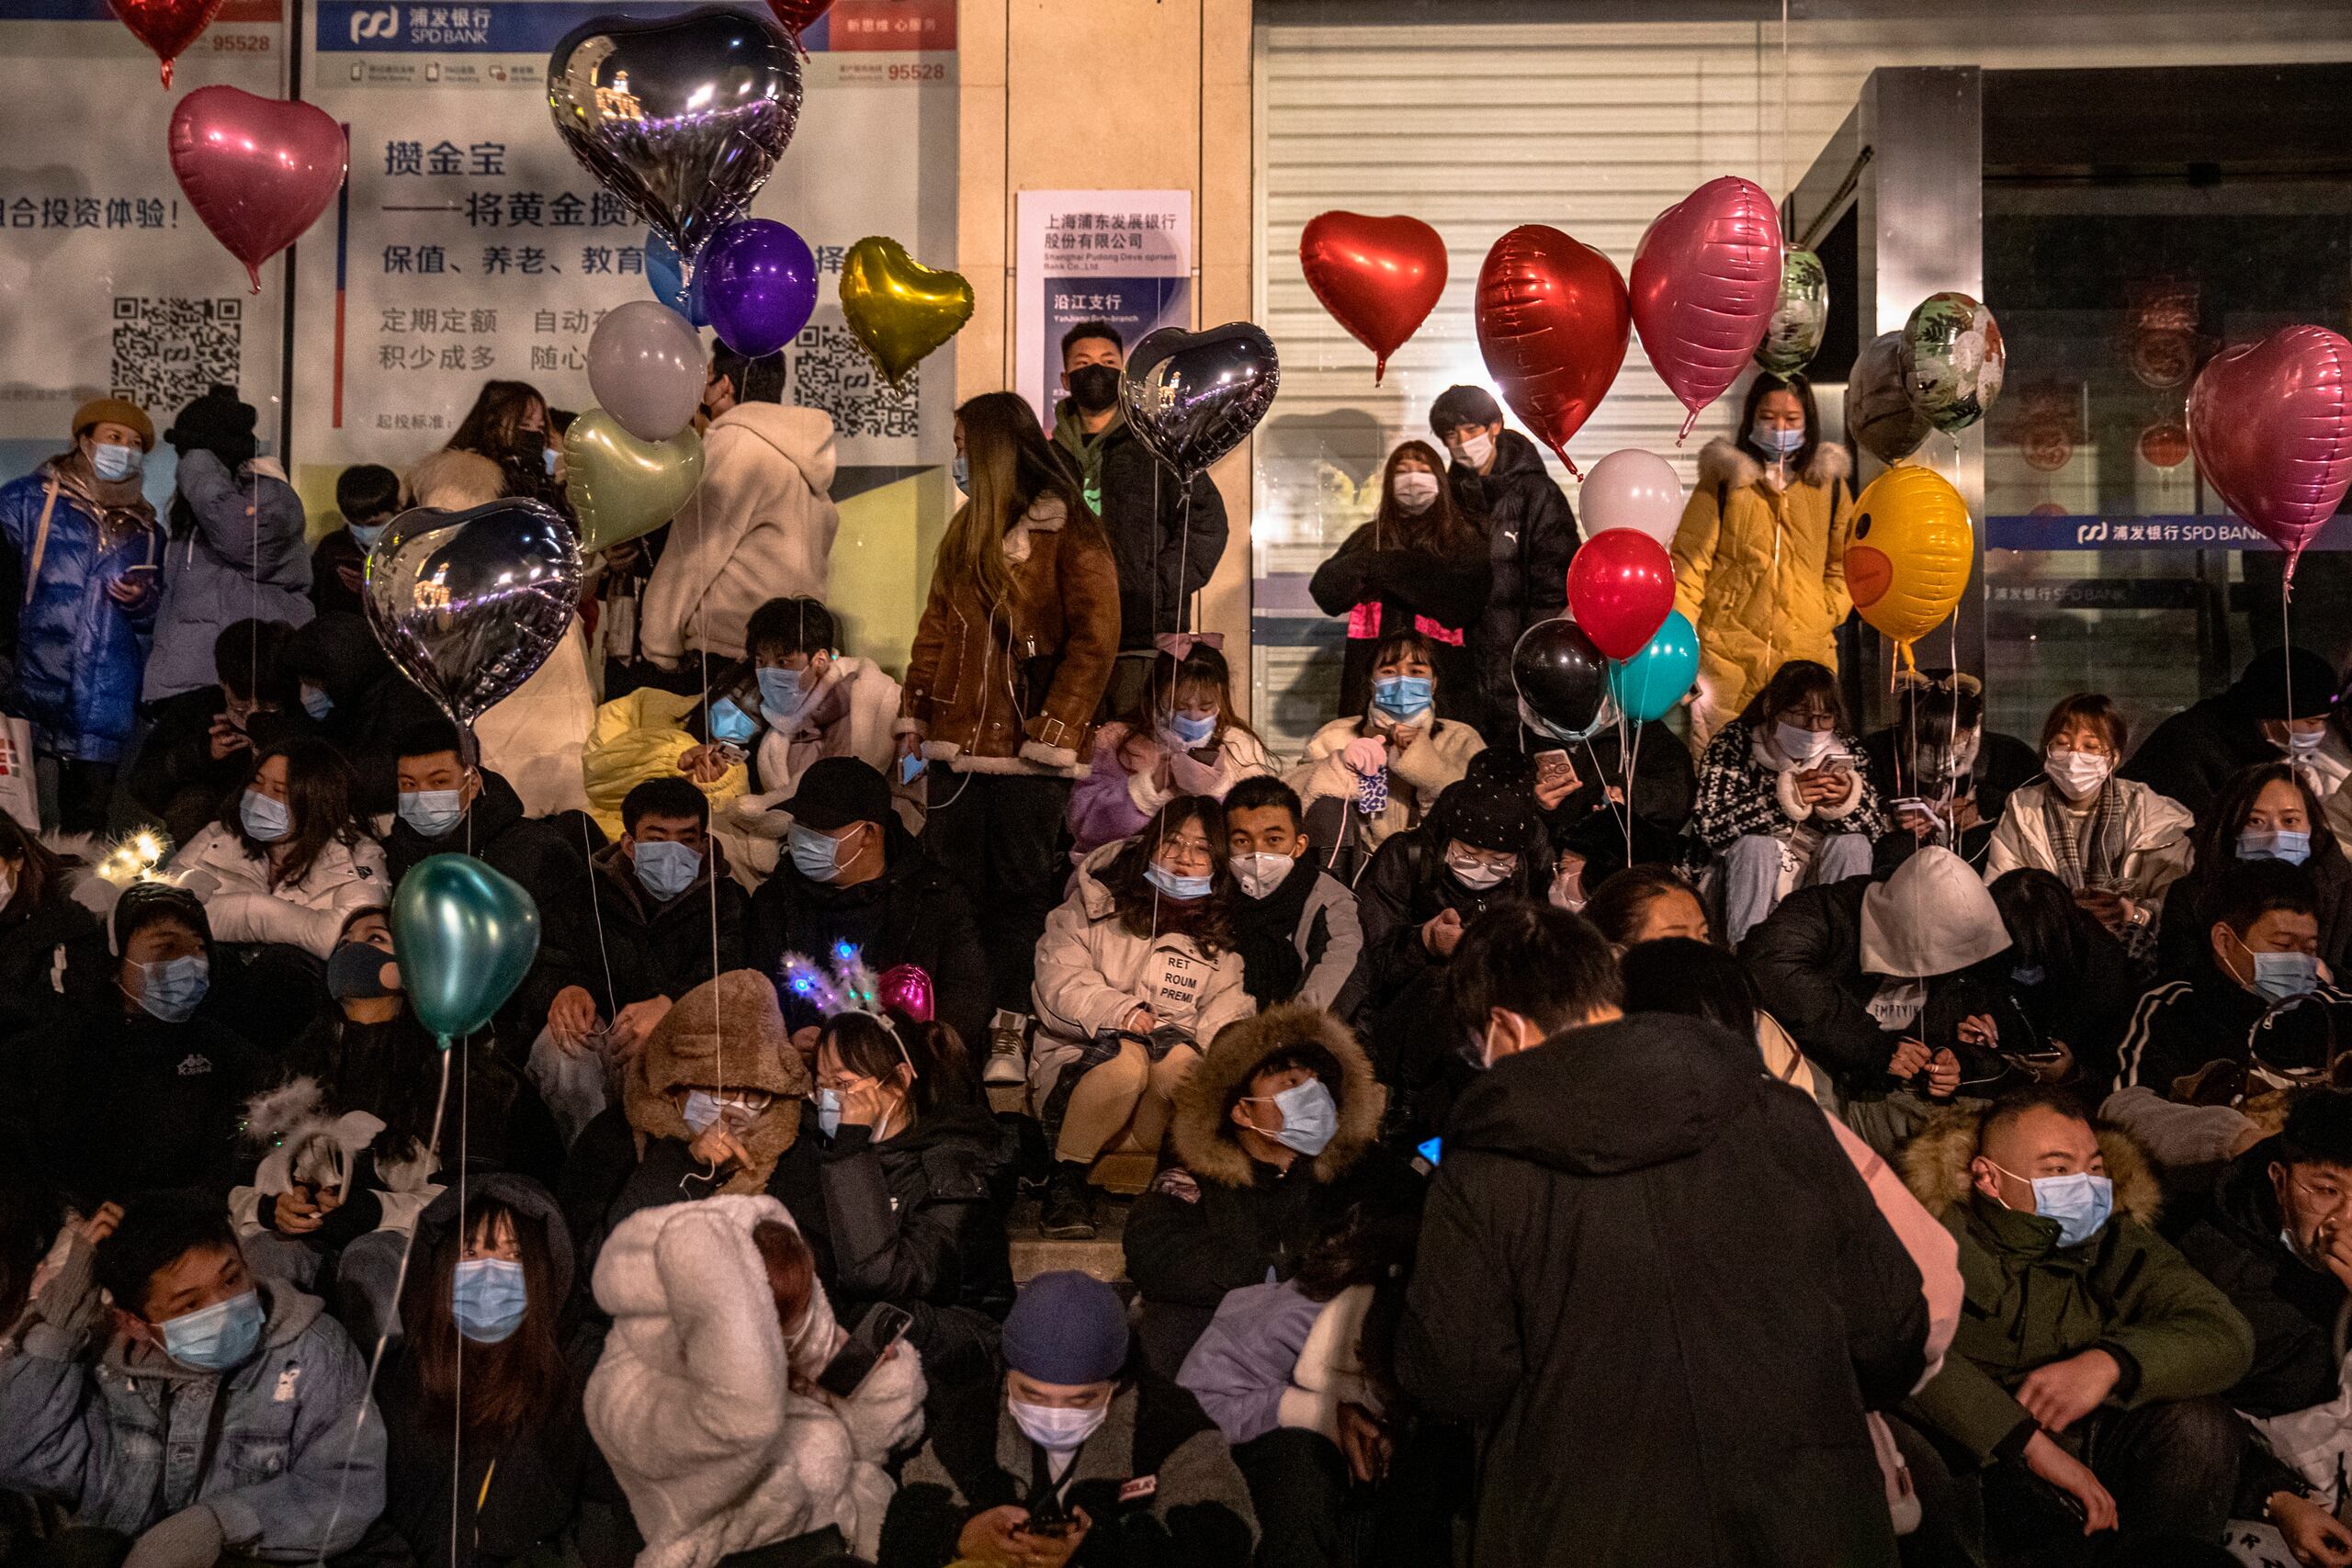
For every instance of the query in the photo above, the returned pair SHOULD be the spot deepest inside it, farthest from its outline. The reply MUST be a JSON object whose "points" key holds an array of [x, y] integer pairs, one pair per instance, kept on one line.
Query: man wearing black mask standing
{"points": [[1164, 557]]}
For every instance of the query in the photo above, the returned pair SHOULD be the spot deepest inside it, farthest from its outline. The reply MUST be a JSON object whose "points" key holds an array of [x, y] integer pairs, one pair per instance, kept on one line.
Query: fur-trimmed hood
{"points": [[725, 1033], [1203, 1134], [1936, 1166], [1725, 462]]}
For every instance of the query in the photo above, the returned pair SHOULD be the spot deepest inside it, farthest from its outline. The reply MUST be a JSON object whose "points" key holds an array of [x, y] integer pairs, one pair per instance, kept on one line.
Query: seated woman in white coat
{"points": [[288, 862], [705, 1401], [2116, 843]]}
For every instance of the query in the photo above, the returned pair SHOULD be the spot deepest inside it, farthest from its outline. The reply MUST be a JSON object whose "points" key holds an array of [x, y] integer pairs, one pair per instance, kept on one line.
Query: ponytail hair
{"points": [[878, 1046]]}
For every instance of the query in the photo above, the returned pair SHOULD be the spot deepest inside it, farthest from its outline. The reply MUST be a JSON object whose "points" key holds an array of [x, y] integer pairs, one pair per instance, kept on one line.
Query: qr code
{"points": [[168, 351], [831, 370]]}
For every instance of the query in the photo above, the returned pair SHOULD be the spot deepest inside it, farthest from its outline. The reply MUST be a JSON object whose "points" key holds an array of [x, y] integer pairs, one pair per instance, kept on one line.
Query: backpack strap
{"points": [[40, 541]]}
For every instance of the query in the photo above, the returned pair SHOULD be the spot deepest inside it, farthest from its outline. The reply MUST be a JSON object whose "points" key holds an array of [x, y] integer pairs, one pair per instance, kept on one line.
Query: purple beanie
{"points": [[1066, 1328]]}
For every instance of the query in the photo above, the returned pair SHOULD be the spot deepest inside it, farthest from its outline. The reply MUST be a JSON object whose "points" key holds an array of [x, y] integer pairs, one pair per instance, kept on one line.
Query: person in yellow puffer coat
{"points": [[1759, 560]]}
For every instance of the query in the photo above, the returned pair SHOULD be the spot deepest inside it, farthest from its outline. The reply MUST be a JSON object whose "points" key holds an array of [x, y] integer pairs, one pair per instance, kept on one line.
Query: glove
{"points": [[1365, 756], [189, 1539]]}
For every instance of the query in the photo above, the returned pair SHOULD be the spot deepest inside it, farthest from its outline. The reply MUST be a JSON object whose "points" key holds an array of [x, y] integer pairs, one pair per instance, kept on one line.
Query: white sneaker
{"points": [[1007, 1063]]}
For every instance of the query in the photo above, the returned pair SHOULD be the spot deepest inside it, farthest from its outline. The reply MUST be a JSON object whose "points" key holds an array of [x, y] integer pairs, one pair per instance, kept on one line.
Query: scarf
{"points": [[119, 508], [2090, 848]]}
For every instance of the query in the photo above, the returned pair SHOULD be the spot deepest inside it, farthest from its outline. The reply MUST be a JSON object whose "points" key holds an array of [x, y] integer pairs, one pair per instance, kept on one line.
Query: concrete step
{"points": [[1105, 1256]]}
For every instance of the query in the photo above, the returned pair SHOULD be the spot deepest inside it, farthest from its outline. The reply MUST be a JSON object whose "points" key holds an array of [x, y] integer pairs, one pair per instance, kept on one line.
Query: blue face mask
{"points": [[488, 1299], [2028, 974], [2080, 1202], [1310, 1117], [1780, 443], [1191, 730], [365, 534], [1403, 696], [665, 868], [266, 820], [548, 457], [317, 703], [732, 724], [781, 698], [816, 856], [1176, 886], [433, 812], [960, 471], [829, 1111], [173, 989], [2264, 844], [115, 464], [2280, 977], [219, 1338]]}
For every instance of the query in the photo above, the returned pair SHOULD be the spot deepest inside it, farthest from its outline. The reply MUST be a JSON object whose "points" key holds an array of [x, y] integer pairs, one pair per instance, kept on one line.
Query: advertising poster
{"points": [[470, 245], [1120, 256], [108, 282]]}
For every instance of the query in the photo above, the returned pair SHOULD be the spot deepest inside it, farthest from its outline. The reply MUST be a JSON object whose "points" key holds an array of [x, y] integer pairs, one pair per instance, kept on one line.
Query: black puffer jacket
{"points": [[1667, 1359], [1531, 537], [1405, 586], [1163, 559], [2293, 1308], [1216, 1219], [1406, 884], [2192, 754], [912, 1223], [652, 949], [913, 913]]}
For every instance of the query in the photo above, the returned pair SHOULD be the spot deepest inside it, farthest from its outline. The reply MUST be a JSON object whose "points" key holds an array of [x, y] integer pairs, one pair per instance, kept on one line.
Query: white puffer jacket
{"points": [[2157, 830], [1093, 972], [692, 1402], [760, 527], [308, 914]]}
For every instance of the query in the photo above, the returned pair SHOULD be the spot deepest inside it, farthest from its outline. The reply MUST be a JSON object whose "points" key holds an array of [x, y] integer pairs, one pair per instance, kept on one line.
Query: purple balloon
{"points": [[758, 284]]}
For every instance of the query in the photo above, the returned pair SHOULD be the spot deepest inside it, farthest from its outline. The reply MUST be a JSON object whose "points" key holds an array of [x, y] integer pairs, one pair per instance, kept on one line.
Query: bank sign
{"points": [[511, 27]]}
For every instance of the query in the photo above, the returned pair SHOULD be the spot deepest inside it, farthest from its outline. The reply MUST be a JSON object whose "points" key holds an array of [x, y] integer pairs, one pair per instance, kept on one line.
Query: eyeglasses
{"points": [[2324, 1191], [1483, 860], [1803, 718]]}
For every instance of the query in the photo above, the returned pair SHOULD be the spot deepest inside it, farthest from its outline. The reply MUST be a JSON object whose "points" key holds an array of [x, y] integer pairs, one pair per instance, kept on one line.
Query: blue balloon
{"points": [[465, 936], [1648, 684], [668, 280]]}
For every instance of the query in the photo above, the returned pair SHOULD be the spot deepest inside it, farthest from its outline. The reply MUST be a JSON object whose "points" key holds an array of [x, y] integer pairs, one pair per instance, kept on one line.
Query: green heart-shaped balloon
{"points": [[465, 936], [899, 309], [620, 487]]}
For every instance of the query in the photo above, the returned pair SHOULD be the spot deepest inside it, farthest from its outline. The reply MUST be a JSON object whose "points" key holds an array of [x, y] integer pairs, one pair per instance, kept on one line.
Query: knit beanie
{"points": [[216, 422], [2286, 683], [115, 411], [1066, 1328], [1495, 817]]}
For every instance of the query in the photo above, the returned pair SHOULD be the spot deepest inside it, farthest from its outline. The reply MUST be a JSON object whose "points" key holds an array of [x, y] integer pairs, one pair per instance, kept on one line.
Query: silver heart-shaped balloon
{"points": [[1193, 396], [682, 118], [467, 604]]}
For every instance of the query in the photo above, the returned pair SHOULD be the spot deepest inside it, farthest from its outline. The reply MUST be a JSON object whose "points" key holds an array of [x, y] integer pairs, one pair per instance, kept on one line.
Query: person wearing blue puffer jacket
{"points": [[237, 549], [83, 550]]}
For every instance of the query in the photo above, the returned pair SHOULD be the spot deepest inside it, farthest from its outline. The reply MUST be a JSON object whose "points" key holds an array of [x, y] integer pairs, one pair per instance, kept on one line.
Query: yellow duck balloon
{"points": [[1909, 554]]}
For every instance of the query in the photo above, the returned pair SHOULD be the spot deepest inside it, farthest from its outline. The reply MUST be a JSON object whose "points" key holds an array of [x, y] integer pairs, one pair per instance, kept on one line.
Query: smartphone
{"points": [[143, 566], [882, 1326], [1553, 767], [1911, 803], [911, 767], [1431, 1150]]}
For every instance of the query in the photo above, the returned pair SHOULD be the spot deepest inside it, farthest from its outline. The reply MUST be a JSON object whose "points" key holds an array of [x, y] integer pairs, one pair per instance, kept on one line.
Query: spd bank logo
{"points": [[383, 24]]}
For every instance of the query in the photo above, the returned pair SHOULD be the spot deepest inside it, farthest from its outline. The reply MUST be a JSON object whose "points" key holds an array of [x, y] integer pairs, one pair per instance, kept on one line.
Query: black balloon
{"points": [[1562, 678]]}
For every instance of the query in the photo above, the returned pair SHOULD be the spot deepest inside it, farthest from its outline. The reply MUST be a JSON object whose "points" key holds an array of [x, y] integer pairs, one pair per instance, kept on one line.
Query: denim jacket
{"points": [[124, 1443]]}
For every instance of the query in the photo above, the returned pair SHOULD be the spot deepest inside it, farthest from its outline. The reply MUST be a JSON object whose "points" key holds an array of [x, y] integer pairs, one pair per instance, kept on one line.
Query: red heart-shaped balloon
{"points": [[1378, 276], [258, 171], [167, 27], [2271, 425], [796, 15], [1552, 324], [1706, 280]]}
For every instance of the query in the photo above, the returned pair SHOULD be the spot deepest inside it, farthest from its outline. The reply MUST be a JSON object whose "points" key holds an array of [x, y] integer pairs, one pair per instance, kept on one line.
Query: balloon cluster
{"points": [[1942, 371]]}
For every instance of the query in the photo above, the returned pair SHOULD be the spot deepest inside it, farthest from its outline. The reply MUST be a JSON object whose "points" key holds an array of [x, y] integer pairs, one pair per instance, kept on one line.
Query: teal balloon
{"points": [[1648, 684], [465, 936]]}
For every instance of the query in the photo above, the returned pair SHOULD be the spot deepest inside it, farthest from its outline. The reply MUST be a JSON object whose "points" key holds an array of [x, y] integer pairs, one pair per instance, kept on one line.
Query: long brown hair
{"points": [[514, 1383], [1444, 530], [1141, 908], [1202, 666], [319, 792], [1011, 467], [491, 425]]}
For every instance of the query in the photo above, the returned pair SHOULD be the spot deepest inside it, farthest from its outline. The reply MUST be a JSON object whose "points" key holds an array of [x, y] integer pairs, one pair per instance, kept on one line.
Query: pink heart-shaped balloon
{"points": [[258, 171], [2271, 425], [167, 27], [1706, 282]]}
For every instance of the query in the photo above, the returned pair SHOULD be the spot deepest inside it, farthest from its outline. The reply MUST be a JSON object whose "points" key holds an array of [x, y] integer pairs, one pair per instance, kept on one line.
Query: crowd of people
{"points": [[1737, 1141]]}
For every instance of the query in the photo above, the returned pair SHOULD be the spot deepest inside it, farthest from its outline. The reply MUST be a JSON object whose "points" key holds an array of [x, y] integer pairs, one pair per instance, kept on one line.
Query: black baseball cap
{"points": [[838, 790]]}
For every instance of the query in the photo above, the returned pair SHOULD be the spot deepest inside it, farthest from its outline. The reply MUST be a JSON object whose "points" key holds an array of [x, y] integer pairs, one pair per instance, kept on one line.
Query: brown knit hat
{"points": [[115, 411], [727, 1034]]}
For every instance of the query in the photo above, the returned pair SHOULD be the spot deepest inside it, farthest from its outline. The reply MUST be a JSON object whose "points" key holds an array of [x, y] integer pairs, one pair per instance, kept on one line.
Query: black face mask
{"points": [[1095, 387]]}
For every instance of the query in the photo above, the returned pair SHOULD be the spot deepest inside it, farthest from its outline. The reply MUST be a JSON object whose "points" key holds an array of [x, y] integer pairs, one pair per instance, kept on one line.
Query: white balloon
{"points": [[646, 368], [1631, 489]]}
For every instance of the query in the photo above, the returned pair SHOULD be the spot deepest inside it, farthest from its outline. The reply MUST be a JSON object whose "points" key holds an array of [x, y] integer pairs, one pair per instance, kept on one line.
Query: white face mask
{"points": [[1259, 874], [1475, 450], [703, 1110], [1054, 1428], [1476, 875], [1414, 491], [2077, 775], [1800, 745]]}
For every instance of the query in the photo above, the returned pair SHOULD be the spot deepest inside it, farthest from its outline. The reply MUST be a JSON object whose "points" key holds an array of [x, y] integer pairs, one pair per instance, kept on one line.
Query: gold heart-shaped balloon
{"points": [[620, 487], [899, 309]]}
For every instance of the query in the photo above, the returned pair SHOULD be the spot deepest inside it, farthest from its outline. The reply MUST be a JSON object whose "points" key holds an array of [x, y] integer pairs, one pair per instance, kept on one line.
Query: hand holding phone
{"points": [[882, 1326]]}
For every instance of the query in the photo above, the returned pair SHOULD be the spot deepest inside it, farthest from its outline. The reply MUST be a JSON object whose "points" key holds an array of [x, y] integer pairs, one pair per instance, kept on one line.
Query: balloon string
{"points": [[702, 652], [1632, 760]]}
